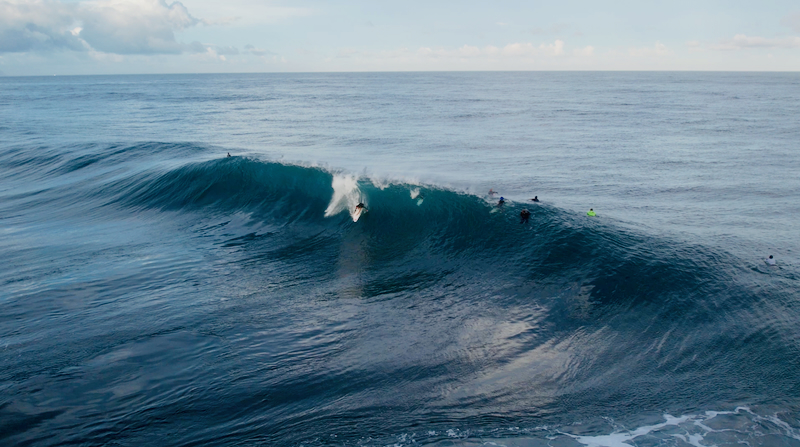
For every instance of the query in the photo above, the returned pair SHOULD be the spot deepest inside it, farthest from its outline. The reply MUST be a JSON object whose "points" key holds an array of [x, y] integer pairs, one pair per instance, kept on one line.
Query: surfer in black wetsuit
{"points": [[535, 199], [360, 206], [501, 202], [524, 215], [229, 154]]}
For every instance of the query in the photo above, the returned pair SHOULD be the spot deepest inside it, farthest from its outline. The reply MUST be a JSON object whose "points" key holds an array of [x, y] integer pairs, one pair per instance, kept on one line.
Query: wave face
{"points": [[235, 301]]}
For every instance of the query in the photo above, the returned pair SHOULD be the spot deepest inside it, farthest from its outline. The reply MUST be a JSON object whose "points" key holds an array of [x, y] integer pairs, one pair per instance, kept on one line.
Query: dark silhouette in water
{"points": [[524, 216]]}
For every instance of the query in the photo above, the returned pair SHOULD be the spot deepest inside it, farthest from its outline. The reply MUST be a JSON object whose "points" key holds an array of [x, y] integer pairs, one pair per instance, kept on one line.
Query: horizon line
{"points": [[395, 72]]}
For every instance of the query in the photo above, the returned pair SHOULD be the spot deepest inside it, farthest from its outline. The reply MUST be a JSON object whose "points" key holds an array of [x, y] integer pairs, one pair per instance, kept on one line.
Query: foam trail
{"points": [[346, 195], [415, 194], [625, 439]]}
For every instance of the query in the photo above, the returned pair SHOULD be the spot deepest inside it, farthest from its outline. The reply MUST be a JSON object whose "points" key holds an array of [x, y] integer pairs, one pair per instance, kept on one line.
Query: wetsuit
{"points": [[524, 215]]}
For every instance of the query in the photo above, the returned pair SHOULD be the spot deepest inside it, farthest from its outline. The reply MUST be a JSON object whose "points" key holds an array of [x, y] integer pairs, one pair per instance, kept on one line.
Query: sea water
{"points": [[155, 291]]}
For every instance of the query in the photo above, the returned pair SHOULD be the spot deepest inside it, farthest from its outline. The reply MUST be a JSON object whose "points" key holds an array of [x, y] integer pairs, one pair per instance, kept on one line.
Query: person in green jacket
{"points": [[591, 212]]}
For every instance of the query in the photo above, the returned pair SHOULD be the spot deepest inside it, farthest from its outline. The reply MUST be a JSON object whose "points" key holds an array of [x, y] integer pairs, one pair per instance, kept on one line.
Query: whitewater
{"points": [[155, 291]]}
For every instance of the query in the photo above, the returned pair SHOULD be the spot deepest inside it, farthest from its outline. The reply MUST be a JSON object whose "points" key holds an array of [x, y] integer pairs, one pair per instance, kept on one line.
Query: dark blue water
{"points": [[154, 291]]}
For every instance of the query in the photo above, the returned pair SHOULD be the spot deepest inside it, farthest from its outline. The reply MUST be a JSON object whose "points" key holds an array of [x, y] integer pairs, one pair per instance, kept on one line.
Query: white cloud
{"points": [[556, 48], [741, 41], [518, 49], [247, 12], [346, 52], [585, 51], [469, 51], [694, 46], [512, 50], [109, 26], [657, 50], [37, 25], [134, 26]]}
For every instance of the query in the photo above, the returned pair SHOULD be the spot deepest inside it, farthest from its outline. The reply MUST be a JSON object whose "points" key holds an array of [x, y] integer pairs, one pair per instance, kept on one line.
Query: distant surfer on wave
{"points": [[770, 260], [492, 192], [501, 202], [524, 215], [360, 207], [229, 154], [591, 213], [535, 199]]}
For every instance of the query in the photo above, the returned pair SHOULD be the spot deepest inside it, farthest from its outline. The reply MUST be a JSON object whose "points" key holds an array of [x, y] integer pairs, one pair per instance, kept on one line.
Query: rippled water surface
{"points": [[154, 291]]}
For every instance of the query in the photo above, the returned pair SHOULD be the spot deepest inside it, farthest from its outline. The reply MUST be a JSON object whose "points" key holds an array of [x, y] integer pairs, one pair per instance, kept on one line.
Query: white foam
{"points": [[414, 193], [623, 439], [346, 195], [380, 183]]}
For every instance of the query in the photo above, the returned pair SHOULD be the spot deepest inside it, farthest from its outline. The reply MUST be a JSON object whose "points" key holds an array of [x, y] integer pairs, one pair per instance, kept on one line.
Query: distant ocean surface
{"points": [[154, 291]]}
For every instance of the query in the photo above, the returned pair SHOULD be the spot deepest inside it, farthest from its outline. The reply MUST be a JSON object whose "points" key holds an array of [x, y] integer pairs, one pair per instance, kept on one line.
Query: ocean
{"points": [[156, 291]]}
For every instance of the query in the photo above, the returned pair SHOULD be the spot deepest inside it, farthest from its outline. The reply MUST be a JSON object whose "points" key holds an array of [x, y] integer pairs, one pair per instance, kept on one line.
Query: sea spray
{"points": [[415, 195], [346, 195]]}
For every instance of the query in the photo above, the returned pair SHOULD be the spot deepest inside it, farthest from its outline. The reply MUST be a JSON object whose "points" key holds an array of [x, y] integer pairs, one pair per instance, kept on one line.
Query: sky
{"points": [[75, 37]]}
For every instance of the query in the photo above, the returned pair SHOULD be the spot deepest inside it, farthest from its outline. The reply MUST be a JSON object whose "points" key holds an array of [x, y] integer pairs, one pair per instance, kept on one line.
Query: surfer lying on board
{"points": [[360, 206], [524, 215], [535, 199]]}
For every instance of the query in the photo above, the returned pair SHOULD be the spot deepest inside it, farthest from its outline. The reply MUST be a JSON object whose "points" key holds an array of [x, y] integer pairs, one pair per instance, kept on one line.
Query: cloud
{"points": [[792, 21], [469, 51], [586, 51], [257, 51], [216, 52], [225, 51], [38, 25], [741, 41], [657, 50], [346, 52], [109, 26], [512, 50], [134, 26], [556, 48], [694, 46]]}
